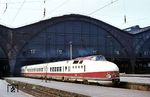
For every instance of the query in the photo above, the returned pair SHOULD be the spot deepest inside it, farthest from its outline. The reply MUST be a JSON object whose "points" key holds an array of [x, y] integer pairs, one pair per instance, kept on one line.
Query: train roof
{"points": [[94, 58]]}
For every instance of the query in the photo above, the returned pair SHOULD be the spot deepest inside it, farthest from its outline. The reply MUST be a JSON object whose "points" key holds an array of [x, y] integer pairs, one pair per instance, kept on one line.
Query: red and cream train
{"points": [[91, 68]]}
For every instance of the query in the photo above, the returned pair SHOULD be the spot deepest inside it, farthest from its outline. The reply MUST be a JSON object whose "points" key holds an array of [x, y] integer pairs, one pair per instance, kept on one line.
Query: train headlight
{"points": [[108, 75]]}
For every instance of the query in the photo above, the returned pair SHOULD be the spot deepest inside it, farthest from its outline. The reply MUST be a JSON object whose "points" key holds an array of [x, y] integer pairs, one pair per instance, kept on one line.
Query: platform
{"points": [[139, 80], [134, 75], [7, 93], [89, 90]]}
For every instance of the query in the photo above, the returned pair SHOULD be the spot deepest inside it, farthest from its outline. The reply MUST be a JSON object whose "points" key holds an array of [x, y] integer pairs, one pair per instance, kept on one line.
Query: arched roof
{"points": [[125, 39], [142, 39]]}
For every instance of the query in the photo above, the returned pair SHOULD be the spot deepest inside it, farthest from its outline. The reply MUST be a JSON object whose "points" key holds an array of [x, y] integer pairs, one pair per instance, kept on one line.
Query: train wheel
{"points": [[116, 82], [63, 78], [85, 82]]}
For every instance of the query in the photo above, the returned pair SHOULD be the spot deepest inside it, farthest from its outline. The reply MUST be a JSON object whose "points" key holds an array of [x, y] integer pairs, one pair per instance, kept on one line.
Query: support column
{"points": [[12, 62], [133, 60], [133, 63]]}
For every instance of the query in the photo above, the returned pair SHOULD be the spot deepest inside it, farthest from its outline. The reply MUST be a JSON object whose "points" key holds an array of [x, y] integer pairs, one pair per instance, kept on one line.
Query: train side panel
{"points": [[71, 70]]}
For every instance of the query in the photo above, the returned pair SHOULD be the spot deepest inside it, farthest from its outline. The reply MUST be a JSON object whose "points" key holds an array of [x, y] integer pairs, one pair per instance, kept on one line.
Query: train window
{"points": [[55, 69], [52, 69], [84, 68], [72, 66], [68, 68], [60, 68], [81, 62], [78, 66], [65, 67], [100, 58], [75, 62], [81, 66], [75, 66]]}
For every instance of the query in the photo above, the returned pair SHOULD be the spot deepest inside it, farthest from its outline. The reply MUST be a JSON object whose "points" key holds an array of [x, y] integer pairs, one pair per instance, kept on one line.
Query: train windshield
{"points": [[100, 58]]}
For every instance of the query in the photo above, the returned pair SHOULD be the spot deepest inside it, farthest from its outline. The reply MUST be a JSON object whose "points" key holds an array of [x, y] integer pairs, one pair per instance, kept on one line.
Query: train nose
{"points": [[112, 67]]}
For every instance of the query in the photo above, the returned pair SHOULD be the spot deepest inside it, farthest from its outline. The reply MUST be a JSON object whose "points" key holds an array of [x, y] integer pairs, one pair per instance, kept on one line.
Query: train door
{"points": [[68, 68], [46, 70], [84, 68]]}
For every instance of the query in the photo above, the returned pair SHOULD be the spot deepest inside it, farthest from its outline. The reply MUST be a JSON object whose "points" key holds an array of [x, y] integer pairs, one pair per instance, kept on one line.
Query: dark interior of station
{"points": [[4, 68], [4, 64]]}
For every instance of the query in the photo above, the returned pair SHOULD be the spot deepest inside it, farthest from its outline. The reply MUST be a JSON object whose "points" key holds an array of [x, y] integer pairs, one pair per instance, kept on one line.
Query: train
{"points": [[85, 69]]}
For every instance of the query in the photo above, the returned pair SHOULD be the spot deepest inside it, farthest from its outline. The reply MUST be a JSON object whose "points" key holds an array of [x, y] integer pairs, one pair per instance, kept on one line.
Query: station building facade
{"points": [[50, 40]]}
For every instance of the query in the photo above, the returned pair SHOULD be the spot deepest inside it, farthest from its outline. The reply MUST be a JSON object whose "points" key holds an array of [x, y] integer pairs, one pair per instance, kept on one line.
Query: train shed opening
{"points": [[4, 68], [4, 64]]}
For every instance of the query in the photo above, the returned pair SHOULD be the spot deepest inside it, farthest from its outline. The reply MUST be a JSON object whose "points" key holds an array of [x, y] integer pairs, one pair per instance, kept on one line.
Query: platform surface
{"points": [[5, 93], [90, 90], [134, 79], [134, 75]]}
